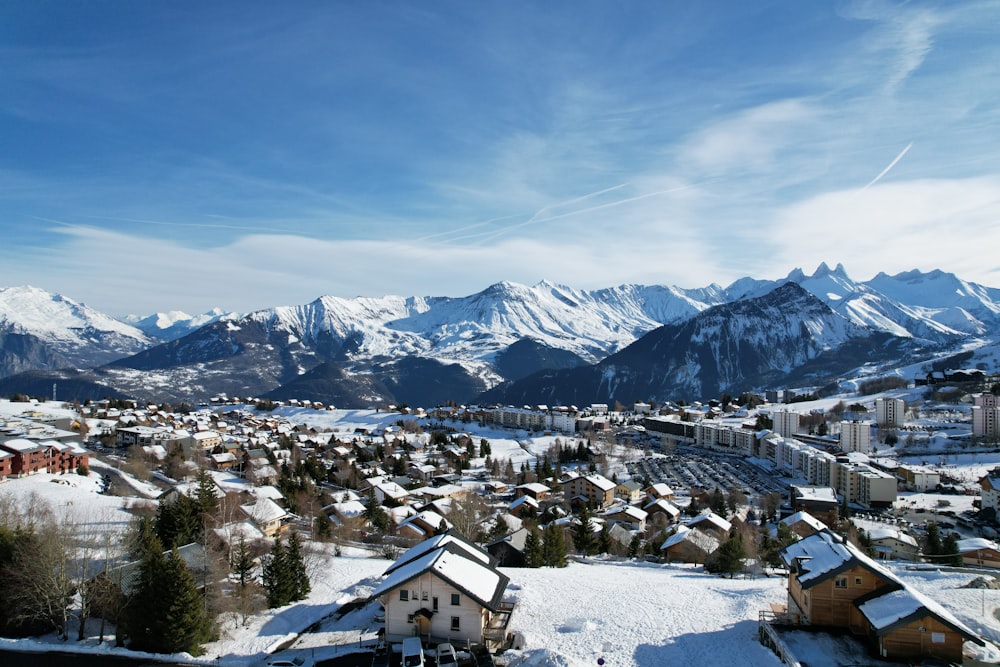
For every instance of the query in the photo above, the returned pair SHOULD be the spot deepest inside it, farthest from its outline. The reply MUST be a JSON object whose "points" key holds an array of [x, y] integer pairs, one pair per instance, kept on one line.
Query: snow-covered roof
{"points": [[661, 505], [452, 563], [976, 544], [23, 446], [705, 542], [817, 493], [535, 487], [823, 554], [712, 518], [523, 500], [264, 511], [417, 551], [661, 490], [629, 511], [601, 482], [891, 610], [806, 518]]}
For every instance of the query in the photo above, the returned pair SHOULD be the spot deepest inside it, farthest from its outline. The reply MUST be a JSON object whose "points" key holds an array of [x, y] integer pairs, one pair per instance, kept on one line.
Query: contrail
{"points": [[891, 165]]}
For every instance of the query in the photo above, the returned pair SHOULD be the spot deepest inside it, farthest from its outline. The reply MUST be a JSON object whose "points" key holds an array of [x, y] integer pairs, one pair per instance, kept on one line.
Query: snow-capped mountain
{"points": [[935, 306], [508, 331], [43, 330], [770, 340], [175, 323]]}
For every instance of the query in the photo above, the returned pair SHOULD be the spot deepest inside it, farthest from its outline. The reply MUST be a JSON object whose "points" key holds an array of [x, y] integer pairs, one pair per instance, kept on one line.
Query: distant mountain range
{"points": [[509, 343]]}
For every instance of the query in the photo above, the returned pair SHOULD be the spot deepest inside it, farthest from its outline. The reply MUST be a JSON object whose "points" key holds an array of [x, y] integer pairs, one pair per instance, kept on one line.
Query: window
{"points": [[423, 596], [434, 604], [455, 623], [455, 599], [857, 581], [404, 595], [409, 618], [841, 582]]}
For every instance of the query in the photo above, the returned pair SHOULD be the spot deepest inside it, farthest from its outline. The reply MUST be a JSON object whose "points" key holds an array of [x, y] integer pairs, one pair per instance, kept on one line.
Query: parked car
{"points": [[297, 661], [413, 652], [446, 656]]}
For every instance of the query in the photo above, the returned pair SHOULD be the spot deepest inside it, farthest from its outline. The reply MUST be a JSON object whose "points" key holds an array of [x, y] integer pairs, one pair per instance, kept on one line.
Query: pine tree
{"points": [[604, 540], [241, 563], [932, 543], [554, 546], [950, 552], [583, 533], [205, 498], [298, 577], [534, 555], [635, 547], [728, 558], [275, 576], [185, 625]]}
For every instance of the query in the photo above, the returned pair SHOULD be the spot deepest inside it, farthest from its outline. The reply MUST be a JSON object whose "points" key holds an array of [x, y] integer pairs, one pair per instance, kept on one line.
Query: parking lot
{"points": [[688, 467]]}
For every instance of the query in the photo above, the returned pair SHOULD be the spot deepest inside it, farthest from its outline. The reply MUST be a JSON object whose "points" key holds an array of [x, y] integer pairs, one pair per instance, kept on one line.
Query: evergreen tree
{"points": [[284, 573], [207, 503], [728, 558], [275, 576], [932, 543], [145, 604], [299, 578], [534, 556], [950, 552], [241, 564], [635, 547], [604, 540], [583, 533], [554, 546], [718, 503], [178, 521], [185, 623]]}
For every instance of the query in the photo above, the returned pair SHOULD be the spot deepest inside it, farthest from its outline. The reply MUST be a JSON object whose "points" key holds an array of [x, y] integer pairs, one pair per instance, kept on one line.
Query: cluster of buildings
{"points": [[28, 447]]}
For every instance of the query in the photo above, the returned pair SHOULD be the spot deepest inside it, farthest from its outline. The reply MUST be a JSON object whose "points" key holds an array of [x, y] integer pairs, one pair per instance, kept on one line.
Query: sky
{"points": [[243, 155]]}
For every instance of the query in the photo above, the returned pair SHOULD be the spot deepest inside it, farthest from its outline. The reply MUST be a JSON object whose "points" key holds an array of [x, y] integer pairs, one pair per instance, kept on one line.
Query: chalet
{"points": [[446, 589], [629, 492], [508, 551], [534, 490], [267, 515], [629, 517], [891, 543], [688, 545], [906, 625], [525, 505], [660, 491], [661, 512], [820, 501], [803, 524], [980, 552], [422, 525], [826, 575], [712, 524], [990, 485], [594, 490]]}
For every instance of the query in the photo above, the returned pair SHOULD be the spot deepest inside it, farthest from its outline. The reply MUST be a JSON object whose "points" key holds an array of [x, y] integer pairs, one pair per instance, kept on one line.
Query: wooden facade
{"points": [[830, 602]]}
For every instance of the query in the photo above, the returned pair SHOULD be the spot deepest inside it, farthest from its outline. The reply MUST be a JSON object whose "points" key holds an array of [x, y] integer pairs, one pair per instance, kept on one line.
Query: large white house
{"points": [[446, 589]]}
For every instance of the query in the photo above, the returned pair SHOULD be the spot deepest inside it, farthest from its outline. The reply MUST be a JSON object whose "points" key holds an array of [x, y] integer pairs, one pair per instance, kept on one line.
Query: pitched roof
{"points": [[823, 555], [453, 564], [703, 541], [804, 517], [419, 550], [711, 518], [890, 610]]}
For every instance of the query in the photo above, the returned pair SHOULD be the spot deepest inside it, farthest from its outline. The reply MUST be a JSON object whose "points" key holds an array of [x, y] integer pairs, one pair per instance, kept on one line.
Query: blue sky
{"points": [[185, 155]]}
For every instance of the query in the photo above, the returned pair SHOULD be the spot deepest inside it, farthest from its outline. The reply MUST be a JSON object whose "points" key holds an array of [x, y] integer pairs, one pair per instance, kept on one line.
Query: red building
{"points": [[29, 457]]}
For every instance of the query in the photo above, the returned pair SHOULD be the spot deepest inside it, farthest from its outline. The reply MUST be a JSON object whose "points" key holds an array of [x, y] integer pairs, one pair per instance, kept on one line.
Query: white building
{"points": [[856, 436], [985, 415], [785, 422], [889, 412]]}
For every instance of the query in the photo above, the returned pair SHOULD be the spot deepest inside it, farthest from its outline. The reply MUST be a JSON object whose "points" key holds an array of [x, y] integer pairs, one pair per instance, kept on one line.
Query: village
{"points": [[462, 500]]}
